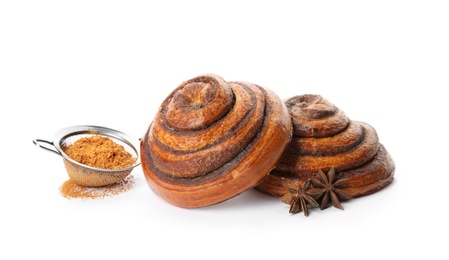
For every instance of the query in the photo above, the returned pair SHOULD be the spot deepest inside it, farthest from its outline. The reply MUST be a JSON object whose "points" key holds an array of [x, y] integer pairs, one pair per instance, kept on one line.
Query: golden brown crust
{"points": [[324, 137], [194, 158]]}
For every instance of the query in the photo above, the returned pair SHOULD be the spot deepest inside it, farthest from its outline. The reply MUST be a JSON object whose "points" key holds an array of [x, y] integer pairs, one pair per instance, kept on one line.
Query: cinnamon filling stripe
{"points": [[342, 142]]}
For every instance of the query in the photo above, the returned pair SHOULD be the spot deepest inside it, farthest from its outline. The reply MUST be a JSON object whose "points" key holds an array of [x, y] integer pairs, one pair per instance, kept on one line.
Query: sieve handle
{"points": [[49, 146]]}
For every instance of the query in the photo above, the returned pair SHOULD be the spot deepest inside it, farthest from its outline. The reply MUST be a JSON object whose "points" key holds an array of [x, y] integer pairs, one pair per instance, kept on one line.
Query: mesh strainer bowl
{"points": [[83, 174]]}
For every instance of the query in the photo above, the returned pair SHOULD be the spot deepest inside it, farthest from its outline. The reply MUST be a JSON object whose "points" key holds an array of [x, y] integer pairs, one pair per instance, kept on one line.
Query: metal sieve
{"points": [[83, 174]]}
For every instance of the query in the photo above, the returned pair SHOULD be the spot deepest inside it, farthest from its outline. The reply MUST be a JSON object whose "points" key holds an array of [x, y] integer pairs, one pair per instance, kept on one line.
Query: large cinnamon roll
{"points": [[212, 140], [324, 137]]}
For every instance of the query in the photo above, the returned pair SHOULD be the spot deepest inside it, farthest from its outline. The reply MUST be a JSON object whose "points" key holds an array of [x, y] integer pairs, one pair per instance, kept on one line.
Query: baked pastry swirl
{"points": [[212, 140], [324, 137]]}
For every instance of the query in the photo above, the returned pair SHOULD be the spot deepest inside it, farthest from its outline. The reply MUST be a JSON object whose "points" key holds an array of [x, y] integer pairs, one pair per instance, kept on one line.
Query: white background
{"points": [[111, 63]]}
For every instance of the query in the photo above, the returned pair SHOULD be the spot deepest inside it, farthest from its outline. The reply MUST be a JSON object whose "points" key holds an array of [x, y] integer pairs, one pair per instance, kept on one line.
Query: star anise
{"points": [[298, 199], [329, 188]]}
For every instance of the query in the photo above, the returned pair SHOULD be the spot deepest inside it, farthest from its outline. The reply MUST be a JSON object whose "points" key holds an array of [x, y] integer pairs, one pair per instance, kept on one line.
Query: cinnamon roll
{"points": [[324, 137], [212, 140]]}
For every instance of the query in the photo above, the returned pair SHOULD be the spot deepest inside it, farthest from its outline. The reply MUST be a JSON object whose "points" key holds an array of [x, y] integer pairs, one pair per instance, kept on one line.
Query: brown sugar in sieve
{"points": [[88, 175]]}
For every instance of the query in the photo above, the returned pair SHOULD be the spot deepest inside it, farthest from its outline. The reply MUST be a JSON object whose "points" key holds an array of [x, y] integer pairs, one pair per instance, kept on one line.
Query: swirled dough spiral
{"points": [[212, 140], [324, 137]]}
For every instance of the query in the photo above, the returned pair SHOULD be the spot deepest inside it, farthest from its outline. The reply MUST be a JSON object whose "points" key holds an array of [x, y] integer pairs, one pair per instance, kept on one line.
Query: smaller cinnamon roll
{"points": [[324, 137]]}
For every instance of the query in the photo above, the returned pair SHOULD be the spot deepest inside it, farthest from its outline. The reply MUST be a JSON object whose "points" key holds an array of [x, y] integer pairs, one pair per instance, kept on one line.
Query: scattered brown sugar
{"points": [[70, 190], [99, 152]]}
